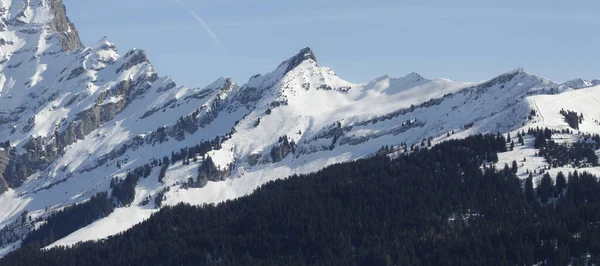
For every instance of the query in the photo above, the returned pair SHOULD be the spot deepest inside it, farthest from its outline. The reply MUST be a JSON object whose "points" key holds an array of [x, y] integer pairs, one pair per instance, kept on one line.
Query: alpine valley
{"points": [[89, 125]]}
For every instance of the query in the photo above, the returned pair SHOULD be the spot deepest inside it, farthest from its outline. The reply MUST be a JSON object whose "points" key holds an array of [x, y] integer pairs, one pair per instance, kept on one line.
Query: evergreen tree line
{"points": [[430, 207], [572, 118], [578, 154], [69, 220], [189, 153], [123, 191]]}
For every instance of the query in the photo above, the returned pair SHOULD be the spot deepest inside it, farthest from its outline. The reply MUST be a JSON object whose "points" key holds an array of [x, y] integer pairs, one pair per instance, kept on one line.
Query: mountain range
{"points": [[76, 120]]}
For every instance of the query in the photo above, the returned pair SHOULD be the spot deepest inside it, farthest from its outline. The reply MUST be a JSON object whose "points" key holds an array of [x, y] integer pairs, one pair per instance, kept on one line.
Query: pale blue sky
{"points": [[464, 40]]}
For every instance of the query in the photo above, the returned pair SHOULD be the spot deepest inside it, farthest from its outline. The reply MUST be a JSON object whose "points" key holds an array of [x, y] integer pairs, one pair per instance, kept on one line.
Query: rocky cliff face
{"points": [[58, 92], [35, 14], [4, 159], [69, 37]]}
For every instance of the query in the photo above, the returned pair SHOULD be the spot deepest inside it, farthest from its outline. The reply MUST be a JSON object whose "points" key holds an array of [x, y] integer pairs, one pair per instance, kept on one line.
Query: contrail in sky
{"points": [[203, 24]]}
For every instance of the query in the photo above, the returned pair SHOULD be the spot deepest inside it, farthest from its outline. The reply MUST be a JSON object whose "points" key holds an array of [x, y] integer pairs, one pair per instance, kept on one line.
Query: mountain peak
{"points": [[39, 14], [515, 71], [69, 37], [296, 60], [104, 43], [580, 83], [414, 77]]}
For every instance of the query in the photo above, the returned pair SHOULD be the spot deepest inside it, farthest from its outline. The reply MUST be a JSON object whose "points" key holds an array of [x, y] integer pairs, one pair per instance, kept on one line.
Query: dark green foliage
{"points": [[69, 220], [207, 168], [143, 171], [577, 154], [163, 169], [561, 183], [208, 171], [520, 140], [123, 191], [529, 192], [160, 197], [187, 153], [431, 207], [572, 118], [540, 140], [545, 189]]}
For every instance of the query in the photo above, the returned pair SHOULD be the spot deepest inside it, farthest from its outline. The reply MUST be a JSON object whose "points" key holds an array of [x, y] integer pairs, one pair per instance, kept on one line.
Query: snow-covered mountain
{"points": [[74, 118], [581, 83]]}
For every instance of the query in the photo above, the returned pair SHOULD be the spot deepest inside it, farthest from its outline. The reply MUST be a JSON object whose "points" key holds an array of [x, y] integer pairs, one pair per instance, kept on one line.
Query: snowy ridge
{"points": [[77, 118], [581, 83]]}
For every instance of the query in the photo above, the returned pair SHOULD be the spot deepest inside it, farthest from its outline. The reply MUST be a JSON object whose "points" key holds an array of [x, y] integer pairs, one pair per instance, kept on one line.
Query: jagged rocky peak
{"points": [[134, 57], [104, 44], [101, 54], [69, 37], [40, 13], [580, 83], [224, 84], [414, 77], [303, 55], [503, 78], [228, 84]]}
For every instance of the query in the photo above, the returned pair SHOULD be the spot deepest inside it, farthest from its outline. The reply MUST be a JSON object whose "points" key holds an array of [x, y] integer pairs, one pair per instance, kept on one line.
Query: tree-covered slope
{"points": [[430, 207]]}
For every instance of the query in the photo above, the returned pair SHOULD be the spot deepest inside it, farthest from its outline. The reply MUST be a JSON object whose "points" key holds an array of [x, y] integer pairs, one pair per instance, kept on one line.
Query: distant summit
{"points": [[581, 83]]}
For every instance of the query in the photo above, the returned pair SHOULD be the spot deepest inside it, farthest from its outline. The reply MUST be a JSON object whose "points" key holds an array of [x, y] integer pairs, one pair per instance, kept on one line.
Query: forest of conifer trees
{"points": [[429, 207]]}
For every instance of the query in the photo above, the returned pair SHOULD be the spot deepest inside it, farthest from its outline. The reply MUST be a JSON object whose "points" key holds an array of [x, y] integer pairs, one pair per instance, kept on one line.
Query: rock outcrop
{"points": [[4, 159], [69, 37]]}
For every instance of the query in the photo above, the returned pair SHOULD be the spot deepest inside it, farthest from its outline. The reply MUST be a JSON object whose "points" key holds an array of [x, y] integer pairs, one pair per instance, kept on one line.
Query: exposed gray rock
{"points": [[42, 151], [4, 159], [136, 57], [30, 124], [282, 149], [76, 73], [210, 172], [167, 87], [303, 55], [69, 37], [253, 159]]}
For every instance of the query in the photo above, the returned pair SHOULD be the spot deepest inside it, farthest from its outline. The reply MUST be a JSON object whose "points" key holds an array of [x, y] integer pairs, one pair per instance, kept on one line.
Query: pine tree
{"points": [[546, 188], [529, 193], [540, 140], [561, 183], [520, 140]]}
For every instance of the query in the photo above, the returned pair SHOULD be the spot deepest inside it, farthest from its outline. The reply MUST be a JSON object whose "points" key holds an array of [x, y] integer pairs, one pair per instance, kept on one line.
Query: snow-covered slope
{"points": [[64, 108], [74, 118]]}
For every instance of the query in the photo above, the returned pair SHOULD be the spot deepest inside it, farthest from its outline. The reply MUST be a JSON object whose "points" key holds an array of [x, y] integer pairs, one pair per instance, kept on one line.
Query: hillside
{"points": [[77, 121], [431, 207]]}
